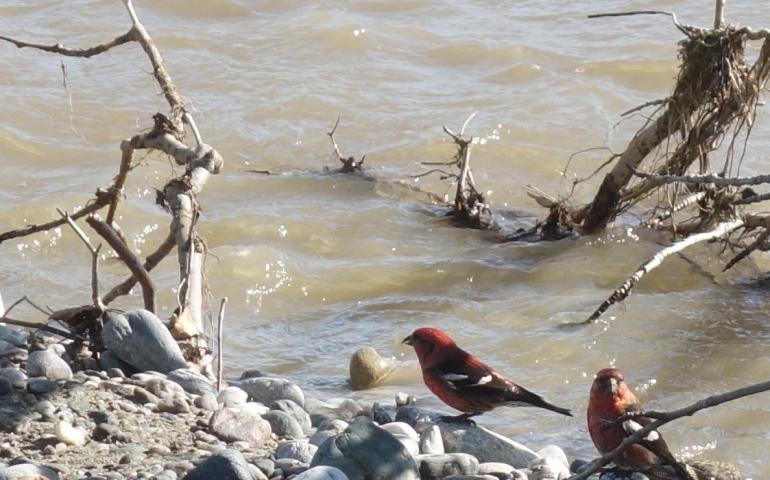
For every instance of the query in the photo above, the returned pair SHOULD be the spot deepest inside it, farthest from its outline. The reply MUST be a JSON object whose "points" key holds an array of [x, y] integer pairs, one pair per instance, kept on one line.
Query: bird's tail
{"points": [[526, 398]]}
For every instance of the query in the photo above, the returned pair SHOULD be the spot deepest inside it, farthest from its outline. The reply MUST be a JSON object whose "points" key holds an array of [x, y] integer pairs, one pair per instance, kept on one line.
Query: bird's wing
{"points": [[653, 441], [471, 372]]}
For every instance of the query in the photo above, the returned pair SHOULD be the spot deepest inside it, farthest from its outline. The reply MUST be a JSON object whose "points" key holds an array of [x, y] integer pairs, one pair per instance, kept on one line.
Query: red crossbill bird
{"points": [[464, 382], [610, 399]]}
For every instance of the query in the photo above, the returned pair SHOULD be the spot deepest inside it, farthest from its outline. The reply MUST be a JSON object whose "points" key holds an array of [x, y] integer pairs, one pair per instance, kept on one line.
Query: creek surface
{"points": [[317, 265]]}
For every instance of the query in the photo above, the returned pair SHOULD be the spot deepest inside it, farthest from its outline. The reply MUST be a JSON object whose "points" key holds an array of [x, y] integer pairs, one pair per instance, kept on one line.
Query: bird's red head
{"points": [[431, 345], [609, 382]]}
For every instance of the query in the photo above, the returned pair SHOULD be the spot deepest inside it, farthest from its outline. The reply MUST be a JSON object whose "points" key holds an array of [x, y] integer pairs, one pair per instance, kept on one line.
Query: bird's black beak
{"points": [[408, 340]]}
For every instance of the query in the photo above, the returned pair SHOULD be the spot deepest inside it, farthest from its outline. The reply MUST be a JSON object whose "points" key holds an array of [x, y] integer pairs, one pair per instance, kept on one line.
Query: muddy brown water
{"points": [[317, 265]]}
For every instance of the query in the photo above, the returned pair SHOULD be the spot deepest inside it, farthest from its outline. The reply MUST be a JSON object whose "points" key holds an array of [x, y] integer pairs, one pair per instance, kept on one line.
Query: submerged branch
{"points": [[622, 292]]}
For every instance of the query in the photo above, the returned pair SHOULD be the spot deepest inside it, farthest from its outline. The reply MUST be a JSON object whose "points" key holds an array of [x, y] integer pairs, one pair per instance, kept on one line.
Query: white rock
{"points": [[495, 468], [431, 442], [548, 468], [410, 443], [556, 453], [232, 396], [68, 434]]}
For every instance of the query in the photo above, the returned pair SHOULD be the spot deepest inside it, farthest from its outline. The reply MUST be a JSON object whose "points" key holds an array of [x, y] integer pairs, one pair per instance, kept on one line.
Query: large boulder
{"points": [[366, 452], [140, 339], [485, 445]]}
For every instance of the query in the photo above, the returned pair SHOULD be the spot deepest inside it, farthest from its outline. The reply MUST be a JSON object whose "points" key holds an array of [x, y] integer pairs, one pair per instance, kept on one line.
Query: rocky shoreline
{"points": [[136, 414]]}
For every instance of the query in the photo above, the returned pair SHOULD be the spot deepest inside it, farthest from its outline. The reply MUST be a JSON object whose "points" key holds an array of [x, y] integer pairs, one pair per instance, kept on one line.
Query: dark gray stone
{"points": [[267, 390], [366, 452], [12, 374], [413, 415], [101, 416], [5, 387], [438, 466], [283, 424], [191, 382], [140, 339], [296, 412], [382, 414], [225, 465], [41, 386], [15, 337]]}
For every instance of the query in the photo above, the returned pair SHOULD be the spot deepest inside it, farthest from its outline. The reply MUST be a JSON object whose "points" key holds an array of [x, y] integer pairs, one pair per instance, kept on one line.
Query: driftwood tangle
{"points": [[713, 104], [179, 196]]}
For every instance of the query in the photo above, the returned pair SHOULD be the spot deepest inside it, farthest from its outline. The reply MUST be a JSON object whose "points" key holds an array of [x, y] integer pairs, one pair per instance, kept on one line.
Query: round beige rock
{"points": [[368, 368]]}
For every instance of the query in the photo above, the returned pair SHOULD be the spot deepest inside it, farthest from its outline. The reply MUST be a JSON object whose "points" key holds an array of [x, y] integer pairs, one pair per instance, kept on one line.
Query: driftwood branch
{"points": [[40, 326], [705, 179], [663, 418], [95, 297], [128, 257], [757, 243], [677, 207], [152, 260], [74, 52], [622, 292], [102, 200], [349, 164], [220, 331]]}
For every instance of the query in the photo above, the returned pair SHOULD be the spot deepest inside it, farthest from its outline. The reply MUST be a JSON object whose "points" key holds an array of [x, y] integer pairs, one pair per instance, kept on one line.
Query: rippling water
{"points": [[318, 265]]}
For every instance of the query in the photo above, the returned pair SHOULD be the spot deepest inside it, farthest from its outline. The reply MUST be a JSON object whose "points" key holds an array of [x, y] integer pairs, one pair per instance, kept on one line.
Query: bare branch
{"points": [[622, 292], [349, 164], [220, 323], [128, 257], [666, 417], [39, 326], [150, 262], [158, 67], [752, 199], [98, 203], [682, 28], [660, 101], [94, 259], [74, 52], [679, 206], [704, 179], [120, 180], [757, 243]]}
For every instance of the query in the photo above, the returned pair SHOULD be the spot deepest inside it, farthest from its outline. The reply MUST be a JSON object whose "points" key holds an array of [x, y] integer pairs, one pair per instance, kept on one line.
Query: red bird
{"points": [[610, 399], [464, 382]]}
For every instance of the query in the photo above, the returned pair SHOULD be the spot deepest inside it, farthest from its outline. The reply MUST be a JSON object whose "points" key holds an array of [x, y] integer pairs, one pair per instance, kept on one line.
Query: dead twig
{"points": [[128, 258], [220, 330], [40, 326], [150, 262], [349, 164], [95, 298], [757, 243]]}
